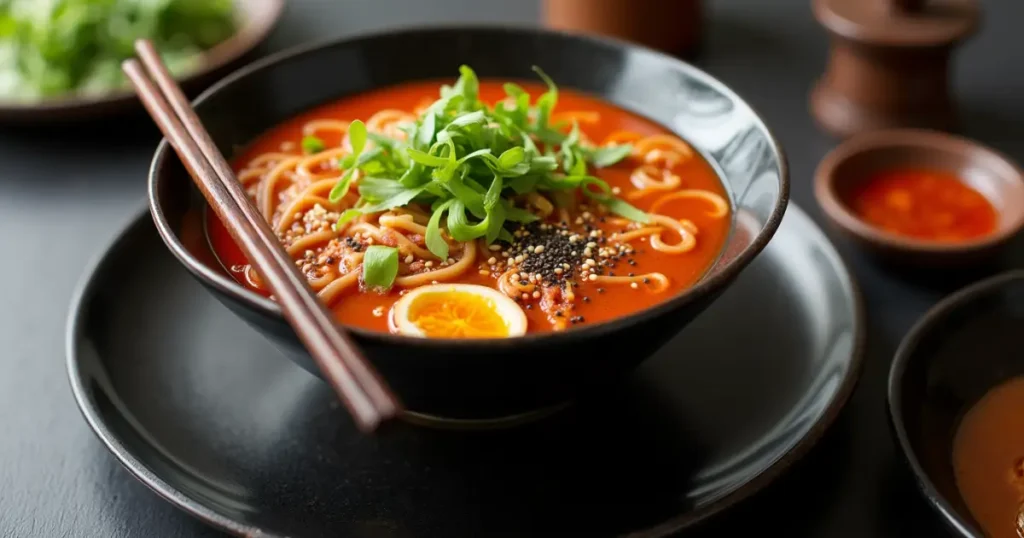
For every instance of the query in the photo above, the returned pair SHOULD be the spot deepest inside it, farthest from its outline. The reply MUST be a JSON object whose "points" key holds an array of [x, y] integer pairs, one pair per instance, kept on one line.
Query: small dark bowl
{"points": [[991, 173], [256, 19], [963, 347], [478, 381]]}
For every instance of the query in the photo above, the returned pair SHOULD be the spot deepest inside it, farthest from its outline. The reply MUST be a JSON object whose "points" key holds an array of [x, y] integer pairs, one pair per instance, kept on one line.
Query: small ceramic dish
{"points": [[962, 348], [992, 174], [256, 19]]}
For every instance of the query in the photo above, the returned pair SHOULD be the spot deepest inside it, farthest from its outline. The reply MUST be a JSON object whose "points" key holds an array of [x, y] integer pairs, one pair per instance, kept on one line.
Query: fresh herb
{"points": [[312, 144], [353, 161], [380, 266], [51, 48], [467, 162]]}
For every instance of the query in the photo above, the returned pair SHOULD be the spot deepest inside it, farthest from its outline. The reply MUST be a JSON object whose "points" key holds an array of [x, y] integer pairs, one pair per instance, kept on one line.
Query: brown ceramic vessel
{"points": [[999, 179], [889, 63], [672, 26], [256, 19]]}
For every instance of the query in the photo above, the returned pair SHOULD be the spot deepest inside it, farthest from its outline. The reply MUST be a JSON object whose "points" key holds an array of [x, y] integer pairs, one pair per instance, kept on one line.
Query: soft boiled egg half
{"points": [[457, 311]]}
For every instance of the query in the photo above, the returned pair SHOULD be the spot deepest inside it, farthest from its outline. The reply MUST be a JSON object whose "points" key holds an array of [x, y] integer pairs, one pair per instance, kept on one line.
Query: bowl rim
{"points": [[706, 286], [897, 374], [250, 33], [839, 212]]}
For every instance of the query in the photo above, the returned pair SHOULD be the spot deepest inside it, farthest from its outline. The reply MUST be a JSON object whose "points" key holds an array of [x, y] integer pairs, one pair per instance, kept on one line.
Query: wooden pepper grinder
{"points": [[889, 64]]}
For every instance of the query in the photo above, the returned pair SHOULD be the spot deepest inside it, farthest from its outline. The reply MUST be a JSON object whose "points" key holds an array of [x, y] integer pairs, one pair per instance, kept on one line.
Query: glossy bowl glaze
{"points": [[966, 345], [478, 382], [996, 176]]}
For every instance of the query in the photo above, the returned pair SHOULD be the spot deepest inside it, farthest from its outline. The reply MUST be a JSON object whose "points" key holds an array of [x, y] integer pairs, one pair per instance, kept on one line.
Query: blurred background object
{"points": [[673, 26], [889, 65], [61, 58]]}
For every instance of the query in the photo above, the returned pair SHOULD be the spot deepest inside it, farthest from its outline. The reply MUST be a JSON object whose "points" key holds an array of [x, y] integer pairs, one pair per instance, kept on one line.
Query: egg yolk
{"points": [[457, 315]]}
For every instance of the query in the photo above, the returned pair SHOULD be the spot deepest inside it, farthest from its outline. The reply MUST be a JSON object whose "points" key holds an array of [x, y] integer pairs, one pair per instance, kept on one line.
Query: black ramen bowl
{"points": [[480, 381], [962, 348]]}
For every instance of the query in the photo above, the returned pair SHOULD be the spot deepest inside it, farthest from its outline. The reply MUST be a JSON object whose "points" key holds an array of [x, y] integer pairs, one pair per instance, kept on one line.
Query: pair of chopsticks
{"points": [[366, 396]]}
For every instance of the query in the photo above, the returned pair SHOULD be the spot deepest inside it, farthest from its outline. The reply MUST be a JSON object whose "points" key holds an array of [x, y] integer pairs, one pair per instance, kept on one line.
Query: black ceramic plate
{"points": [[200, 408]]}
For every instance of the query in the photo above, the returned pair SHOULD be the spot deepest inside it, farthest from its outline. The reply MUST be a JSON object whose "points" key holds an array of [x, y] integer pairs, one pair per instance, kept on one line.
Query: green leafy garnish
{"points": [[54, 48], [607, 156], [380, 267], [468, 162], [312, 144], [352, 161]]}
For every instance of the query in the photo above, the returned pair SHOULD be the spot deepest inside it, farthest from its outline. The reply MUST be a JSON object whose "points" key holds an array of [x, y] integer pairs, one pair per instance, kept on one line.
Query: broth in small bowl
{"points": [[956, 396], [498, 236]]}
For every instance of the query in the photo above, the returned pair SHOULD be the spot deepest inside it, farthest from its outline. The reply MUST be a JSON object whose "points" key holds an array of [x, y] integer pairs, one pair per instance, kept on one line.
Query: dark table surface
{"points": [[65, 191]]}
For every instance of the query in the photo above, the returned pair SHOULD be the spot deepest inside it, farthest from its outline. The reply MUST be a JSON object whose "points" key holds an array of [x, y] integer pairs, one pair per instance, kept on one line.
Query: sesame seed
{"points": [[633, 285], [409, 258], [593, 277], [539, 249], [494, 248], [428, 264], [536, 295], [492, 260]]}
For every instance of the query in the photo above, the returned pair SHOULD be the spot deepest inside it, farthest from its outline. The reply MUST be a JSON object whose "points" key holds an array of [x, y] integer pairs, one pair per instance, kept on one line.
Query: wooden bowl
{"points": [[256, 19], [992, 174]]}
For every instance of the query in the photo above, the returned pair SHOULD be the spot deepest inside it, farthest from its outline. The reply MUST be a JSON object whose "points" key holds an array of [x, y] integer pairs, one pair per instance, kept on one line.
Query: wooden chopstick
{"points": [[363, 392]]}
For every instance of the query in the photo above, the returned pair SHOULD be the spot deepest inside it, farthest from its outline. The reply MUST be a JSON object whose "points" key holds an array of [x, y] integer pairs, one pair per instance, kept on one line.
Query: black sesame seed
{"points": [[631, 274], [558, 313], [600, 290], [631, 261], [586, 299], [647, 280]]}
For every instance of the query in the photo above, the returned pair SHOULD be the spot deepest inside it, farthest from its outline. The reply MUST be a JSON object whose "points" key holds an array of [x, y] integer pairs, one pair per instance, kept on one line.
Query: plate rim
{"points": [[85, 289]]}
